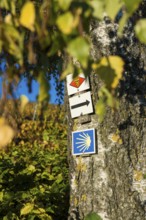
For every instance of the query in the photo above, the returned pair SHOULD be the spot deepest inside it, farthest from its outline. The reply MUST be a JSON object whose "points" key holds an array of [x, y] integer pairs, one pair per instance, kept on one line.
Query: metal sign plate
{"points": [[80, 83], [83, 142], [81, 104]]}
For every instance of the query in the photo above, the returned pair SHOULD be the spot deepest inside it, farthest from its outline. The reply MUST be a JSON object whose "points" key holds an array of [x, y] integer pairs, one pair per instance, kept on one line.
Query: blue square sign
{"points": [[83, 142]]}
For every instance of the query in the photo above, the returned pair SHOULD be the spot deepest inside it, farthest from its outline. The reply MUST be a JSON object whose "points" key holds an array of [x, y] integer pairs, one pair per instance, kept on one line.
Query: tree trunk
{"points": [[112, 182]]}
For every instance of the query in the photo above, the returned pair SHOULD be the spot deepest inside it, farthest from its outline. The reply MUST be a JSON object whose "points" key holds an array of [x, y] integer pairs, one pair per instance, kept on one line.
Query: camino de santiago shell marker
{"points": [[80, 101]]}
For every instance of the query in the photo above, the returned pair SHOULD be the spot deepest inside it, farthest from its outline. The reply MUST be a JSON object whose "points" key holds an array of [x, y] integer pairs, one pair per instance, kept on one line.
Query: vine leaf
{"points": [[27, 16]]}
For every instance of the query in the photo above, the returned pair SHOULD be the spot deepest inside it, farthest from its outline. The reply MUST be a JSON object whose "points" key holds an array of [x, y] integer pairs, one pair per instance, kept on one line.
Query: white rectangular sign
{"points": [[81, 104], [80, 83]]}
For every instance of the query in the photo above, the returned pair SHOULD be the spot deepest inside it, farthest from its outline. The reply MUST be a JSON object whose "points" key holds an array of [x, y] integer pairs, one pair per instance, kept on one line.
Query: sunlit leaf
{"points": [[132, 5], [93, 216], [110, 70], [64, 4], [39, 211], [1, 196], [112, 9], [122, 23], [31, 168], [23, 102], [27, 209], [1, 44], [140, 29], [4, 4], [98, 8], [65, 22], [27, 16], [6, 133], [8, 19], [13, 42], [138, 175], [115, 138], [79, 49]]}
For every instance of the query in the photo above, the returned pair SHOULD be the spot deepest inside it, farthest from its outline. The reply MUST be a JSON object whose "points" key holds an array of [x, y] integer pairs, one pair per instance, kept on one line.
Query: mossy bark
{"points": [[112, 182]]}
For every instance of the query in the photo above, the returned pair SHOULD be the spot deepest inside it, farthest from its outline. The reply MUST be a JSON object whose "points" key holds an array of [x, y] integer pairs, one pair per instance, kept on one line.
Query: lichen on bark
{"points": [[106, 182]]}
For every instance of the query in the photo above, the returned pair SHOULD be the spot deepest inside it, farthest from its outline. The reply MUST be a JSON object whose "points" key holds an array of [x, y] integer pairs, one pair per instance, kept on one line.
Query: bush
{"points": [[34, 170]]}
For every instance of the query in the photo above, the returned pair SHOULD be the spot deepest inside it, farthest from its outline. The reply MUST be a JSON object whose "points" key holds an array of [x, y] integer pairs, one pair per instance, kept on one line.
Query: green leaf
{"points": [[93, 216], [112, 9], [132, 5], [4, 4], [122, 23], [110, 70], [64, 4], [59, 178], [100, 109], [69, 69], [13, 42], [31, 168], [1, 196], [79, 49], [39, 211], [27, 209], [65, 22], [140, 29], [107, 96], [44, 87], [98, 8]]}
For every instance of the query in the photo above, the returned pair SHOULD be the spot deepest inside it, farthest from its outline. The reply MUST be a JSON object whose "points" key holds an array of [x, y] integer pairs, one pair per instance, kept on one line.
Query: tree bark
{"points": [[112, 182]]}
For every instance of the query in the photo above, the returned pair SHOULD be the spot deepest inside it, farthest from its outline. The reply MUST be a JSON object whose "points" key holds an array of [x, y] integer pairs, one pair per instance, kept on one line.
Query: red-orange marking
{"points": [[77, 82]]}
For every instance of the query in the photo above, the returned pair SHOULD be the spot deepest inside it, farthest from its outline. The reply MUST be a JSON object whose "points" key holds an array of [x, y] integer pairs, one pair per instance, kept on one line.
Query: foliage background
{"points": [[34, 169]]}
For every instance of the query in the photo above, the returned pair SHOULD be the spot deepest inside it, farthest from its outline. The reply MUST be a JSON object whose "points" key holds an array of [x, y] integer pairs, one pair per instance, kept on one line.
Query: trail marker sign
{"points": [[80, 83], [81, 104], [83, 142]]}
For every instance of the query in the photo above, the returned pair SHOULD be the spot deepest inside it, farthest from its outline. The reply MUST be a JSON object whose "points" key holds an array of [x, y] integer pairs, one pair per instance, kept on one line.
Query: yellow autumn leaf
{"points": [[115, 138], [6, 133], [65, 22], [27, 209], [27, 16], [110, 70], [39, 211], [24, 101], [8, 19], [138, 175]]}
